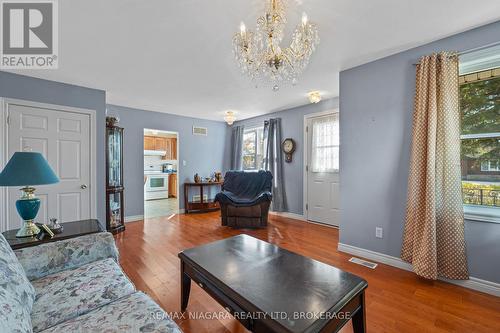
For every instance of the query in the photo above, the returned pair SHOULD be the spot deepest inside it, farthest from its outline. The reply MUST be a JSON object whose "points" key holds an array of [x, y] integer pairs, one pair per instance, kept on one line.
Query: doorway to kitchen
{"points": [[160, 173]]}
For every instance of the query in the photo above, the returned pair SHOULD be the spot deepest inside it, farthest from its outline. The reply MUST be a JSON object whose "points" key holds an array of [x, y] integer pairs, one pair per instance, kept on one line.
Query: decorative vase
{"points": [[197, 178]]}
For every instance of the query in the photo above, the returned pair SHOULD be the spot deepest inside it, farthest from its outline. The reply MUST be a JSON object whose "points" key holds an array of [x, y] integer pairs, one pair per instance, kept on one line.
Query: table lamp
{"points": [[27, 169]]}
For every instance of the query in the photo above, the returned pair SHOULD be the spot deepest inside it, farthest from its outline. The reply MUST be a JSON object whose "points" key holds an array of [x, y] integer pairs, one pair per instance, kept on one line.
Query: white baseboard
{"points": [[289, 215], [484, 286], [133, 218], [181, 211]]}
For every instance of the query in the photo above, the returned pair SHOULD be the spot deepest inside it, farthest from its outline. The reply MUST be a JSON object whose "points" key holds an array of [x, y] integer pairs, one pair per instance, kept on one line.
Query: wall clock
{"points": [[288, 147]]}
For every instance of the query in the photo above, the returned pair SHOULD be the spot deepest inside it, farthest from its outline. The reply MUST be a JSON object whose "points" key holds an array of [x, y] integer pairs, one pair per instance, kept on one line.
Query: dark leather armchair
{"points": [[245, 199]]}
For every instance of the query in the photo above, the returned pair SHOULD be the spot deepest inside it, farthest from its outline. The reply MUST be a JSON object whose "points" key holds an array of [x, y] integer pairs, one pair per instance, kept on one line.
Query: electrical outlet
{"points": [[379, 232], [184, 162]]}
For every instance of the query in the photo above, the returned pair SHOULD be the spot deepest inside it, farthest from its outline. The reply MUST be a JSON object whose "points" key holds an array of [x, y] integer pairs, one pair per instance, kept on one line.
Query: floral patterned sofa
{"points": [[75, 285]]}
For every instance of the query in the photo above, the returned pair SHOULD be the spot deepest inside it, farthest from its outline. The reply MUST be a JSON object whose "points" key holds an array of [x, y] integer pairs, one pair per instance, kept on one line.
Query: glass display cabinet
{"points": [[114, 177]]}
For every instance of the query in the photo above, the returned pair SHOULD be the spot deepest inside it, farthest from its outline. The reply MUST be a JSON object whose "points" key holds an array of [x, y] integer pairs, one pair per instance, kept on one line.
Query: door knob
{"points": [[83, 186]]}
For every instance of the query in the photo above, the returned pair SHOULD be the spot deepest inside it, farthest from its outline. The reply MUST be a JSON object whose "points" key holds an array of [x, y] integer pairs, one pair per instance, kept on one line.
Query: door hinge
{"points": [[307, 206], [8, 119], [307, 129], [307, 167]]}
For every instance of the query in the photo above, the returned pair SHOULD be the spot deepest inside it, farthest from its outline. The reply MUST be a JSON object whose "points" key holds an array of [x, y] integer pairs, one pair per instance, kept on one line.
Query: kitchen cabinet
{"points": [[169, 145], [149, 143], [173, 149], [161, 144], [172, 185]]}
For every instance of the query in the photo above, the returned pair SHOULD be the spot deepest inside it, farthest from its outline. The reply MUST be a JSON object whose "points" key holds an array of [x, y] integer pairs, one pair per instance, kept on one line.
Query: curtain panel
{"points": [[433, 240], [325, 144], [273, 161], [237, 147]]}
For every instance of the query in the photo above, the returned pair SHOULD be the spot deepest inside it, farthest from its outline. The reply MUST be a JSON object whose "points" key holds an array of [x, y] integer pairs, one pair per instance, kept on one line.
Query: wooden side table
{"points": [[71, 230], [202, 205]]}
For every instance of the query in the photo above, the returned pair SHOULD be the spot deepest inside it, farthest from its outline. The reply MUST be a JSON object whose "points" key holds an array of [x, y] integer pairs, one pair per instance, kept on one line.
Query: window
{"points": [[253, 148], [325, 144], [480, 154], [490, 165]]}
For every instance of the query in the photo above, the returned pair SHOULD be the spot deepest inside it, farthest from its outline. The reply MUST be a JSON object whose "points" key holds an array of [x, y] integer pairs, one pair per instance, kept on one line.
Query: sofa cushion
{"points": [[16, 292], [68, 294], [50, 258], [133, 313]]}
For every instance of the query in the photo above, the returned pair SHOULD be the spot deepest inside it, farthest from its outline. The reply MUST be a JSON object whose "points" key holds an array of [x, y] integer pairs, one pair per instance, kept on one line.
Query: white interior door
{"points": [[64, 140], [322, 169]]}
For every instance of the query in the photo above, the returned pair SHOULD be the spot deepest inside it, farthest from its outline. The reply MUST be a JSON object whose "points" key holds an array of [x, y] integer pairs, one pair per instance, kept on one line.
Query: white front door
{"points": [[322, 169], [63, 138]]}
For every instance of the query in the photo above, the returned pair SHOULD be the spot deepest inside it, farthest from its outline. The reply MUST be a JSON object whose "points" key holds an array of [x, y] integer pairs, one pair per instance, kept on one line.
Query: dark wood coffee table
{"points": [[70, 230], [269, 289]]}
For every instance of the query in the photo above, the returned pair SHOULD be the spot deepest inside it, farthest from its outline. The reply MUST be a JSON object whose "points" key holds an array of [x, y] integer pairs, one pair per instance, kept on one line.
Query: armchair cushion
{"points": [[16, 292], [42, 260], [134, 313], [242, 188], [72, 293]]}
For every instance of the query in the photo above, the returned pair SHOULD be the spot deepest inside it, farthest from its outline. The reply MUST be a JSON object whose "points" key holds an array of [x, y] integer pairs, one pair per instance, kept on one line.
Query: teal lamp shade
{"points": [[27, 169]]}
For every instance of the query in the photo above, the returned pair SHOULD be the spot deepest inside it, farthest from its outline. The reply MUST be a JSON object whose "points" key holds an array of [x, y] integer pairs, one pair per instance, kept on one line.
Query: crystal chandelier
{"points": [[229, 117], [259, 54]]}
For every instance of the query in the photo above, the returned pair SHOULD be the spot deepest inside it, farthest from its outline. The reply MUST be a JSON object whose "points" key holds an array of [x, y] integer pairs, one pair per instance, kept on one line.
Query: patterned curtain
{"points": [[433, 240]]}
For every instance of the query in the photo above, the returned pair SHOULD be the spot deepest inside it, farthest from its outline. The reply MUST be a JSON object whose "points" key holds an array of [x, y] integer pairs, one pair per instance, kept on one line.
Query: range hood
{"points": [[155, 153]]}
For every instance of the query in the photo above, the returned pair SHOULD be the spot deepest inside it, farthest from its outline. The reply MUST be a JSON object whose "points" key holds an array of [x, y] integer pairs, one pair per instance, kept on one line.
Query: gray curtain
{"points": [[273, 161], [236, 147]]}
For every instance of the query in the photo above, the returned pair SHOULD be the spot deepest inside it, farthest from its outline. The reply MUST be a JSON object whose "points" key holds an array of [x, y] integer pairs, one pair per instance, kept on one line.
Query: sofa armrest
{"points": [[49, 258]]}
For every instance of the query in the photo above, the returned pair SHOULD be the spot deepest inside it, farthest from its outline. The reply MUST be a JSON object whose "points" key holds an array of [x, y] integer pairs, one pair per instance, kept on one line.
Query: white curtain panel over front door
{"points": [[325, 144]]}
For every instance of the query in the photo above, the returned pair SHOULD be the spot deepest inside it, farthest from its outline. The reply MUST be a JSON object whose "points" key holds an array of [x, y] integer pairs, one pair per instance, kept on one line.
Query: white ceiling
{"points": [[176, 56]]}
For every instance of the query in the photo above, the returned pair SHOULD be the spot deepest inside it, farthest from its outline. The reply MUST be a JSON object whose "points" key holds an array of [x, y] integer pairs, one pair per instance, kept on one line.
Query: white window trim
{"points": [[479, 213], [482, 214], [255, 129], [479, 136]]}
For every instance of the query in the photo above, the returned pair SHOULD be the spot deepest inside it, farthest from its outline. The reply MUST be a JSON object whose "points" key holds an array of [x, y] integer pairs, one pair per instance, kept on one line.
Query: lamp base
{"points": [[29, 229], [27, 207]]}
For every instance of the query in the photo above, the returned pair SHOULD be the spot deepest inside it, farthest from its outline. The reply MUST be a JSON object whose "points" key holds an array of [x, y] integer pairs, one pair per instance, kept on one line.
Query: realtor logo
{"points": [[29, 34]]}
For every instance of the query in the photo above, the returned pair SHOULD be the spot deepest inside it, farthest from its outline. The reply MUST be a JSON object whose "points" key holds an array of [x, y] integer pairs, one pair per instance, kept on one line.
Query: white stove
{"points": [[155, 185]]}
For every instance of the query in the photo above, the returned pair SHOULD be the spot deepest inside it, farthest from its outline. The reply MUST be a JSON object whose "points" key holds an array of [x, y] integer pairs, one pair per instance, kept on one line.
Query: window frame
{"points": [[258, 150], [325, 147], [480, 213]]}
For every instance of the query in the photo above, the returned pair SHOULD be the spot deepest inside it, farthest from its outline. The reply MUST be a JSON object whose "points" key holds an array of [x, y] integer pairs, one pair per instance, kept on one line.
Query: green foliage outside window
{"points": [[480, 107]]}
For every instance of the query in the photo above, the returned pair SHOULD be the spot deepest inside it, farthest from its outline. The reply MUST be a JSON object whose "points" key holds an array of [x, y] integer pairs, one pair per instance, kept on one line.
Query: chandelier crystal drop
{"points": [[259, 54]]}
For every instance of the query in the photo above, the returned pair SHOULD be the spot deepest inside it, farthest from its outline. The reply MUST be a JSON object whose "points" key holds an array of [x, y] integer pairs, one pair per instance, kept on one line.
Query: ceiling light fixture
{"points": [[259, 54], [229, 118], [314, 97]]}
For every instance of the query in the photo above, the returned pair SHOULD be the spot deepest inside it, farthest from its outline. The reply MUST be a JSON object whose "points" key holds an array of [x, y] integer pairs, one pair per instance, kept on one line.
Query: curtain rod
{"points": [[472, 50]]}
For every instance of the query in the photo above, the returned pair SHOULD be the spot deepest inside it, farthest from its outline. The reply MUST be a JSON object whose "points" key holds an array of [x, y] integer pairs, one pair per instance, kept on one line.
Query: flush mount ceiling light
{"points": [[259, 54], [314, 97], [229, 118]]}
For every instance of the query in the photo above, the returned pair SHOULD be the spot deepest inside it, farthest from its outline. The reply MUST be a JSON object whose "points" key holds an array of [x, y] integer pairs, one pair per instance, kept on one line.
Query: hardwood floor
{"points": [[397, 300]]}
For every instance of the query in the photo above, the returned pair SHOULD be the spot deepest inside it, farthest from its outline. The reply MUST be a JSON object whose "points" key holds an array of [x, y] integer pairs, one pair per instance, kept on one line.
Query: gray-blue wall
{"points": [[292, 124], [376, 105], [44, 91], [203, 154]]}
